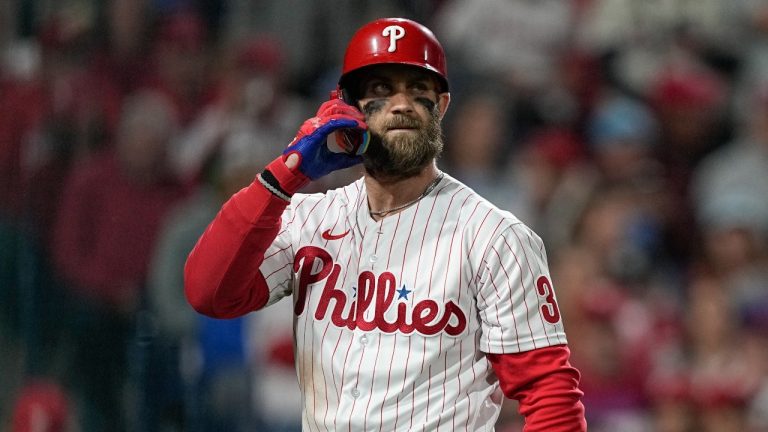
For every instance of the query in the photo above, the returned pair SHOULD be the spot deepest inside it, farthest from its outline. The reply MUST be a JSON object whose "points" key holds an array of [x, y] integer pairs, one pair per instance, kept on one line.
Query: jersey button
{"points": [[355, 393], [363, 339], [373, 258]]}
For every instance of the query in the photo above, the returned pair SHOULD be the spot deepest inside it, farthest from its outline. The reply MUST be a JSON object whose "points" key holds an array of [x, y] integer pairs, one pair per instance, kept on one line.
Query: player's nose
{"points": [[401, 103]]}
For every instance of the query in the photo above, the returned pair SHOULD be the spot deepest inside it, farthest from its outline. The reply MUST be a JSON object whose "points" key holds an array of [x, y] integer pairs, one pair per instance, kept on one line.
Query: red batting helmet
{"points": [[394, 41]]}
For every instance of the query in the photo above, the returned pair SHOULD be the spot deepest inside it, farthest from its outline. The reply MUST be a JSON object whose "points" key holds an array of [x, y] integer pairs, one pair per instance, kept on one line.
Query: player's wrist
{"points": [[271, 184], [282, 180]]}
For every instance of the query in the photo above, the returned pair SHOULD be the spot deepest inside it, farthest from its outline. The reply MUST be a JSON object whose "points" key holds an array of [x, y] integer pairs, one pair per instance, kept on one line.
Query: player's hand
{"points": [[310, 145]]}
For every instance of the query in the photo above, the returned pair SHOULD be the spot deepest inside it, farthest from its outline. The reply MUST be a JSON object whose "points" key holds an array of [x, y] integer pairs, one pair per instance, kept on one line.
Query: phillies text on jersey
{"points": [[391, 317]]}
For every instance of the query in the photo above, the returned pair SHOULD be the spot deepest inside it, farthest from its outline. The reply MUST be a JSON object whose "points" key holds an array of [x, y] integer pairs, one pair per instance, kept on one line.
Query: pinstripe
{"points": [[322, 358], [533, 279], [511, 289], [446, 244], [444, 288], [306, 322], [312, 335], [410, 340], [392, 357], [542, 271], [429, 291], [424, 340]]}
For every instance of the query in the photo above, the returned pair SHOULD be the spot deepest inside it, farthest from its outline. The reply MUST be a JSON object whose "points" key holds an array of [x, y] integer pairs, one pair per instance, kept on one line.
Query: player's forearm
{"points": [[546, 387], [221, 277], [554, 404]]}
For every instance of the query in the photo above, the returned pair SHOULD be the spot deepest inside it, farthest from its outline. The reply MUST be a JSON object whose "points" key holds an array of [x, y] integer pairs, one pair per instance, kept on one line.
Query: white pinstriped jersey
{"points": [[391, 317]]}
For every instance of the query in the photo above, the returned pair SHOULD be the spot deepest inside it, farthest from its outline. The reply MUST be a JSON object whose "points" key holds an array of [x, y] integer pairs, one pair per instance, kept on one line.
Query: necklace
{"points": [[430, 188]]}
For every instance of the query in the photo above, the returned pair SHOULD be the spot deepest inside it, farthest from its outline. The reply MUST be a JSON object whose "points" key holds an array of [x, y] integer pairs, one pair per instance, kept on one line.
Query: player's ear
{"points": [[443, 100]]}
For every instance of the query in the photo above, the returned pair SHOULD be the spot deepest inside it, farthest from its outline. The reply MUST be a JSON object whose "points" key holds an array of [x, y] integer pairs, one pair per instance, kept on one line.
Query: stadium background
{"points": [[631, 135]]}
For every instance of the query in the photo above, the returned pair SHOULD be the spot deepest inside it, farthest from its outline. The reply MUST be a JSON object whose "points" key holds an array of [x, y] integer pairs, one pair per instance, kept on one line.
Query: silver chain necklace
{"points": [[430, 188]]}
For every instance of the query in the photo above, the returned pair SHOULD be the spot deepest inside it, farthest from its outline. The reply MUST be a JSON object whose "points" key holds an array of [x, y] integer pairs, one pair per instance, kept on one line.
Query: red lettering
{"points": [[452, 309], [331, 293], [426, 316], [424, 312], [549, 311], [305, 259], [366, 289], [402, 325], [385, 293]]}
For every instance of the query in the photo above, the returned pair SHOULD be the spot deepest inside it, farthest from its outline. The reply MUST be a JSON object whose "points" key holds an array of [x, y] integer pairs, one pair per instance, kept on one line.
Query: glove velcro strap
{"points": [[270, 182], [283, 178]]}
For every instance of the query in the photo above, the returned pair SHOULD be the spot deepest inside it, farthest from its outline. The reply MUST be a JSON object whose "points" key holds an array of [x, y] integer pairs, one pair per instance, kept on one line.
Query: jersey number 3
{"points": [[549, 311]]}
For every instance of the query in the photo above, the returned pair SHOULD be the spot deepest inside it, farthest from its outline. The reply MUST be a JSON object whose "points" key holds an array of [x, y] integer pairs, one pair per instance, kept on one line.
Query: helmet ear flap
{"points": [[346, 96], [347, 91]]}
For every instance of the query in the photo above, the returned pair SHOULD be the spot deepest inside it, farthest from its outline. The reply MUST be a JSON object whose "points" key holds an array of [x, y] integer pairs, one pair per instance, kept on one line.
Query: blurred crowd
{"points": [[631, 135]]}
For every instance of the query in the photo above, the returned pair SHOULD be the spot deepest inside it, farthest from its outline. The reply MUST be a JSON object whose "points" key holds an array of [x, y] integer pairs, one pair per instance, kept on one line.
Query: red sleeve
{"points": [[546, 387], [221, 275]]}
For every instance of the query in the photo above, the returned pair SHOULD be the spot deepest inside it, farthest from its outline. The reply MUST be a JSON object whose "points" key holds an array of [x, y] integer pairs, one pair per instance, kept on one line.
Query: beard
{"points": [[401, 156]]}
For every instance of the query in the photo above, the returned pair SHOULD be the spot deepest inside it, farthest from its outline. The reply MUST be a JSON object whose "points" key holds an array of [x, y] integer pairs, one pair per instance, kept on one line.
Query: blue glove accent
{"points": [[316, 159]]}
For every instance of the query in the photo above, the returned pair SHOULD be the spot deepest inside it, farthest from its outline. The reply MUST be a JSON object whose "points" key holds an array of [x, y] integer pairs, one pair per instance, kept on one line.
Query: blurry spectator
{"points": [[611, 330], [277, 399], [111, 211], [522, 40], [728, 296], [637, 39], [479, 146], [734, 239], [690, 105], [729, 196], [220, 390], [122, 40], [672, 407], [246, 18], [614, 358], [236, 134], [617, 230], [16, 121], [723, 376], [690, 102], [727, 292], [42, 406], [616, 304], [624, 137], [56, 112], [215, 394], [668, 386], [555, 180], [582, 80], [319, 30], [178, 64], [758, 411], [622, 134], [610, 131], [250, 103], [524, 45], [736, 175], [173, 360]]}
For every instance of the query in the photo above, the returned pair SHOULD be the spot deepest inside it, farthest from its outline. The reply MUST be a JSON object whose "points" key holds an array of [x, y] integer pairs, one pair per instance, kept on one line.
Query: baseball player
{"points": [[417, 304]]}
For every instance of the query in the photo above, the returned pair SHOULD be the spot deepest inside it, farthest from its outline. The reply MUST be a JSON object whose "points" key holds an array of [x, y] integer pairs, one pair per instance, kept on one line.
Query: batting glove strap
{"points": [[270, 182], [281, 180]]}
